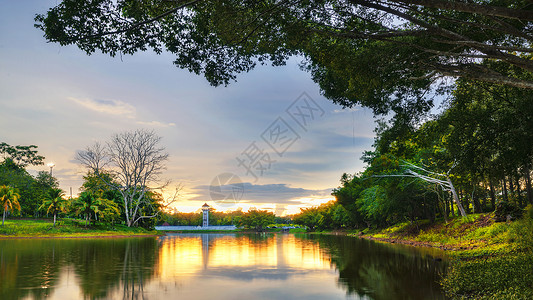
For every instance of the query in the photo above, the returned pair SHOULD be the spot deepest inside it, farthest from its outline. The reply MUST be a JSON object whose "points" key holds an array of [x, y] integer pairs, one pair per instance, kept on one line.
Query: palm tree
{"points": [[87, 204], [8, 199], [55, 202]]}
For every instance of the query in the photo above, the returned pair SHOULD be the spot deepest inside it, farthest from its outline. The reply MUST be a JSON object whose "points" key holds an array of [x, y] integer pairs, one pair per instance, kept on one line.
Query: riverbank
{"points": [[67, 228], [489, 260]]}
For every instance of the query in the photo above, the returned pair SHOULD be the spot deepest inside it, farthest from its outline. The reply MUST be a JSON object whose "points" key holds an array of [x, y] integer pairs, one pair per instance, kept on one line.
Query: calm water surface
{"points": [[217, 266]]}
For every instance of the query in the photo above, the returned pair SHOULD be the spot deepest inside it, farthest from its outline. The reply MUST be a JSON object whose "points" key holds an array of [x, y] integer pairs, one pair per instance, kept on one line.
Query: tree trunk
{"points": [[464, 200], [511, 188], [518, 192], [492, 195], [484, 199], [127, 211], [477, 204], [528, 185], [451, 208], [459, 196], [504, 190], [3, 217], [445, 209], [456, 198], [55, 219]]}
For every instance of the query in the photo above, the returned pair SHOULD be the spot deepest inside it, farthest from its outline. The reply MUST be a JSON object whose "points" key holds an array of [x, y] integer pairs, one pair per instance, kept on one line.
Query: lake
{"points": [[218, 266]]}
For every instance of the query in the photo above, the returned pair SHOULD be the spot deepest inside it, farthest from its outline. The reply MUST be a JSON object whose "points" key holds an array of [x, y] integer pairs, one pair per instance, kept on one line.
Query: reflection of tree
{"points": [[257, 238], [383, 271], [102, 266], [27, 269], [108, 264]]}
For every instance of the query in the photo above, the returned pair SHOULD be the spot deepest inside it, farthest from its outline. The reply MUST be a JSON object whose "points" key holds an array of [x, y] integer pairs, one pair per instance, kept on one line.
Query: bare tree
{"points": [[136, 159], [432, 177], [442, 180]]}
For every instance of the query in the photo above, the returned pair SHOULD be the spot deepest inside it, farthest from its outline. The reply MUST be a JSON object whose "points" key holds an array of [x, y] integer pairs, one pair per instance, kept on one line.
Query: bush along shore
{"points": [[67, 228], [489, 259]]}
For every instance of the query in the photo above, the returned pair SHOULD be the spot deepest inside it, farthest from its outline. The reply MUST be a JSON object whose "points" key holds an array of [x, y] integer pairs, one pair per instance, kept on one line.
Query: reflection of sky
{"points": [[232, 267], [63, 100], [186, 255]]}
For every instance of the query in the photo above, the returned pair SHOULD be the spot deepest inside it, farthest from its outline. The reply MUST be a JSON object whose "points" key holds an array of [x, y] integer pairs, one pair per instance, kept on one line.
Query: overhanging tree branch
{"points": [[494, 11], [222, 38], [136, 25]]}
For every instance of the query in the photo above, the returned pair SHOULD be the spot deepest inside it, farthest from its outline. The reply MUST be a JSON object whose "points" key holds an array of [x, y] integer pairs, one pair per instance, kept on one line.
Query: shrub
{"points": [[505, 209], [522, 230], [528, 212]]}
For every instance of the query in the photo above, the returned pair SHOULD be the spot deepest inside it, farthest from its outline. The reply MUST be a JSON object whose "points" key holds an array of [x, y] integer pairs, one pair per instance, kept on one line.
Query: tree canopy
{"points": [[482, 142], [54, 202], [20, 155], [385, 55], [257, 219]]}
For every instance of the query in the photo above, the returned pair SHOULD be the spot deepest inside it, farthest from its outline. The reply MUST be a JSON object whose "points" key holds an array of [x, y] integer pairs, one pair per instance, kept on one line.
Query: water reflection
{"points": [[72, 268], [257, 266], [245, 257], [225, 266], [385, 271]]}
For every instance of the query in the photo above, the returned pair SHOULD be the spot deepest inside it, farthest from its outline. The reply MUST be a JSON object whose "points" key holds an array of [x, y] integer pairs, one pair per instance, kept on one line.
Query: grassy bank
{"points": [[490, 260], [39, 228]]}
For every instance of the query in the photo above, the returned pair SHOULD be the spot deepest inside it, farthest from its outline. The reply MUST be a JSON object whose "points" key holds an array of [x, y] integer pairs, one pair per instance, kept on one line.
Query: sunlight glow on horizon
{"points": [[186, 205]]}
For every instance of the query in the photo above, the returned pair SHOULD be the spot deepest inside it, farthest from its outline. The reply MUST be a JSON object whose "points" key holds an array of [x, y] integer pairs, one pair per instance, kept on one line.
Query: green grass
{"points": [[475, 231], [65, 228], [507, 276]]}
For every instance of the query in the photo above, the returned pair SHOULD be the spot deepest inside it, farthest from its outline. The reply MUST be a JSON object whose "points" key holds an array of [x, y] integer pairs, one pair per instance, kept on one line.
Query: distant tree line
{"points": [[252, 219]]}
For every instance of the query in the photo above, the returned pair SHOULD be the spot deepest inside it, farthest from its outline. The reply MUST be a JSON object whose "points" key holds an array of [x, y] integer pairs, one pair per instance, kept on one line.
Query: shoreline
{"points": [[97, 236], [409, 243], [391, 240]]}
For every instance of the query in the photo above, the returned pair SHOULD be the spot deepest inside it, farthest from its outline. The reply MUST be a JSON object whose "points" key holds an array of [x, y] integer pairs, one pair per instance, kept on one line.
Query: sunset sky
{"points": [[62, 100]]}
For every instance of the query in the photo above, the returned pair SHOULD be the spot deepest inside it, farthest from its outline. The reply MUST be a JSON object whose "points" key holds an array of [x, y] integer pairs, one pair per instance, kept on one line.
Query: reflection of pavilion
{"points": [[205, 249]]}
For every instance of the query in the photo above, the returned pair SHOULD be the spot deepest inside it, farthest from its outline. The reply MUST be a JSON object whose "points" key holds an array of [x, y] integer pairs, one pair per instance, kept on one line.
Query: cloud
{"points": [[156, 124], [266, 193], [113, 107]]}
